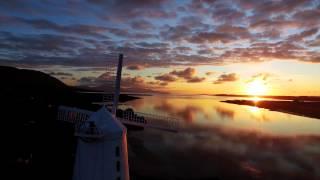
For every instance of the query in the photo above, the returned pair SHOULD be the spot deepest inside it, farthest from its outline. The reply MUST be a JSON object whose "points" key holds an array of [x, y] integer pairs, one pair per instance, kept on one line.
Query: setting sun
{"points": [[256, 87]]}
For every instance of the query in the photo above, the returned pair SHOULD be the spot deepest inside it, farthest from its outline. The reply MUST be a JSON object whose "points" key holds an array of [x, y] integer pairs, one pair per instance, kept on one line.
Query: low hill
{"points": [[36, 146]]}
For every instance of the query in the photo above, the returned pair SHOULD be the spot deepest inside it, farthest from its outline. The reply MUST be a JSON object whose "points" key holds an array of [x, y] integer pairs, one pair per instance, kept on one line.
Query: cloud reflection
{"points": [[227, 153], [186, 113], [212, 147], [224, 113]]}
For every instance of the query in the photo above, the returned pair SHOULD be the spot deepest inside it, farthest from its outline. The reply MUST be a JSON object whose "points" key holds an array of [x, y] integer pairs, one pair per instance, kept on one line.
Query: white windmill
{"points": [[102, 147], [102, 138]]}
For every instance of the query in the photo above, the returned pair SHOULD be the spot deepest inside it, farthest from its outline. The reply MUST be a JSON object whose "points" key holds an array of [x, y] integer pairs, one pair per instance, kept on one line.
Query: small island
{"points": [[295, 107]]}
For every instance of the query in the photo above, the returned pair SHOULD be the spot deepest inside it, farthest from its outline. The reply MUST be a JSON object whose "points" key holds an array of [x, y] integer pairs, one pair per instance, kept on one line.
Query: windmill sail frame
{"points": [[112, 82]]}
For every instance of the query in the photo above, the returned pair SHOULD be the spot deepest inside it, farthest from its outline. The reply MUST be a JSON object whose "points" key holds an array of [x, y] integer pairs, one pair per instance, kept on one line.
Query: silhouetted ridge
{"points": [[38, 146], [26, 79]]}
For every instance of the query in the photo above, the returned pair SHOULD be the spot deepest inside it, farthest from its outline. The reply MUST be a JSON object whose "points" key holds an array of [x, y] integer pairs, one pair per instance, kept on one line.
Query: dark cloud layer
{"points": [[142, 24], [157, 33], [60, 74], [135, 67]]}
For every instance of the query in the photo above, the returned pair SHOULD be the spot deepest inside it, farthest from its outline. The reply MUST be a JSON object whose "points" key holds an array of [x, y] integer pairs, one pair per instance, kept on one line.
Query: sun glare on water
{"points": [[256, 99], [256, 87]]}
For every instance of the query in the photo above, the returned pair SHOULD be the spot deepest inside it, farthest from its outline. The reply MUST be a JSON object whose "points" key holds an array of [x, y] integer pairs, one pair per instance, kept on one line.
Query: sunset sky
{"points": [[255, 47]]}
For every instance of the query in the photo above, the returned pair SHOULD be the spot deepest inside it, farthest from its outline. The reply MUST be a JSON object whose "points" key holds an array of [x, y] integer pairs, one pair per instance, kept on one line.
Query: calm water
{"points": [[224, 141]]}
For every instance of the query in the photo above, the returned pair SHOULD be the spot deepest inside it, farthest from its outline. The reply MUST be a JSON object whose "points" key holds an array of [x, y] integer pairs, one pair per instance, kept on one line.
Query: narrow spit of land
{"points": [[301, 108], [289, 98]]}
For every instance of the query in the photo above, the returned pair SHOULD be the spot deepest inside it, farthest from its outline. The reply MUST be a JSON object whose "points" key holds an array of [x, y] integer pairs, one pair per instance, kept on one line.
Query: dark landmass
{"points": [[97, 96], [139, 94], [299, 98], [307, 109], [35, 144]]}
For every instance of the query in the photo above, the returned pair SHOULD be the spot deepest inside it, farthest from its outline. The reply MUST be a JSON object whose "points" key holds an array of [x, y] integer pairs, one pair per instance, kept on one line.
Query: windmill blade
{"points": [[78, 117], [111, 81]]}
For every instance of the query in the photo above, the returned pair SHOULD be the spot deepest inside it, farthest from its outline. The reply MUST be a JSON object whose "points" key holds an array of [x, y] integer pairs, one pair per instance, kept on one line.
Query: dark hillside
{"points": [[37, 146]]}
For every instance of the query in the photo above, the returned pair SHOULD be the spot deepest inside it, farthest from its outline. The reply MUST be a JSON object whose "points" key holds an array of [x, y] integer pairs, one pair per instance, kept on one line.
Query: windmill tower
{"points": [[102, 138], [102, 145], [102, 149]]}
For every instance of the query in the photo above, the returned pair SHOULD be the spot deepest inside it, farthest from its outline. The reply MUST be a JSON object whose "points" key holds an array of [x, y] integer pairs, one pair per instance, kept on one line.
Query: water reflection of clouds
{"points": [[185, 112], [267, 153], [211, 112], [234, 154], [236, 149], [224, 113], [189, 113], [138, 104]]}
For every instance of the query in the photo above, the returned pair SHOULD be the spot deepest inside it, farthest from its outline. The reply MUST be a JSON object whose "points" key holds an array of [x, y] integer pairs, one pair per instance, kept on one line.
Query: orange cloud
{"points": [[186, 74], [166, 77], [196, 79], [158, 83], [209, 73], [226, 78]]}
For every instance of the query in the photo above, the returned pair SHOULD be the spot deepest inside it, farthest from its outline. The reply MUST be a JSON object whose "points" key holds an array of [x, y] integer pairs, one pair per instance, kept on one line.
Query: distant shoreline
{"points": [[102, 92], [97, 96], [306, 109], [300, 98]]}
